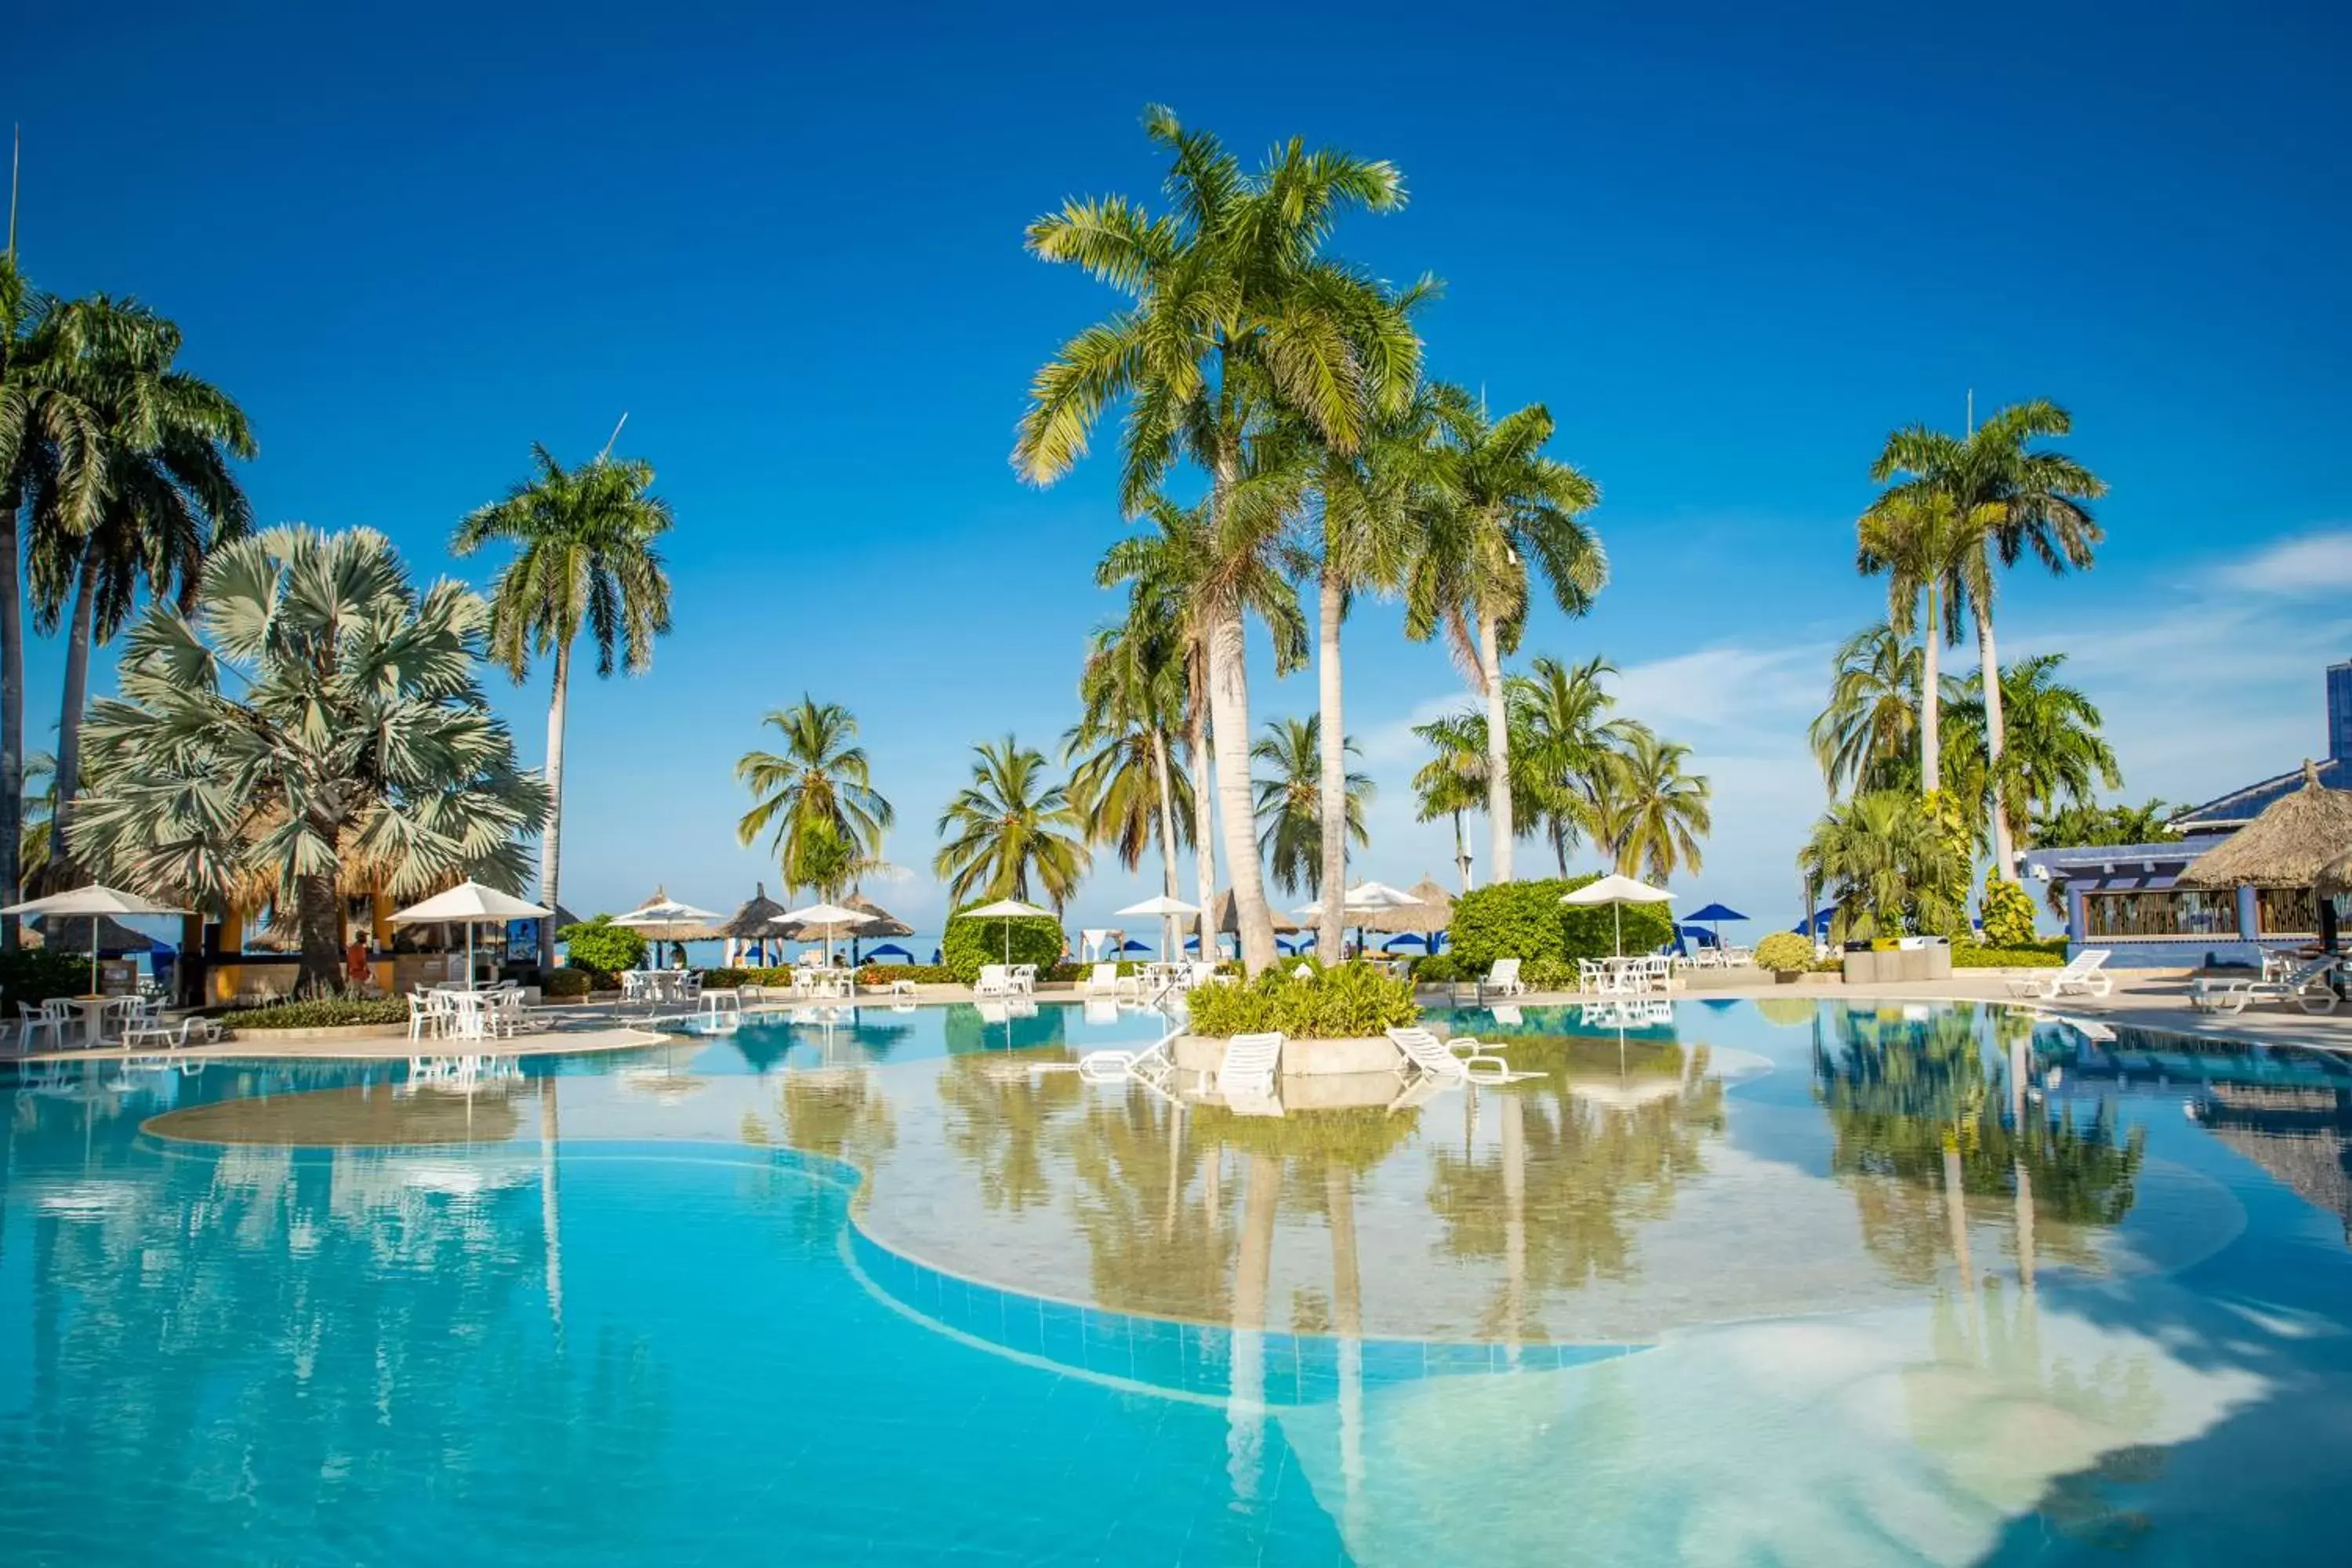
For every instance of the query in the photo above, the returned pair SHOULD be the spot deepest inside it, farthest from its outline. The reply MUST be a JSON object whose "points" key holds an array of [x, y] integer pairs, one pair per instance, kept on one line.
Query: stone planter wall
{"points": [[1375, 1055]]}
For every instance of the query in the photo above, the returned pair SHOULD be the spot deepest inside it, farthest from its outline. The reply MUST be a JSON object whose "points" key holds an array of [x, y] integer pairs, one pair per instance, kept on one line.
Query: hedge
{"points": [[1526, 921], [32, 976], [566, 981], [602, 948], [969, 943], [1347, 1001], [324, 1013], [2040, 955]]}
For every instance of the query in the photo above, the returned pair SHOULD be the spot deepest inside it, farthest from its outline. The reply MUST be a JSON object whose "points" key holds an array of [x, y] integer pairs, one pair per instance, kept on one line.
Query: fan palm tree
{"points": [[1289, 805], [1234, 320], [160, 441], [1012, 824], [1511, 510], [2018, 499], [315, 712], [2055, 751], [1654, 812], [1926, 549], [1864, 739], [816, 797], [1562, 719], [584, 557]]}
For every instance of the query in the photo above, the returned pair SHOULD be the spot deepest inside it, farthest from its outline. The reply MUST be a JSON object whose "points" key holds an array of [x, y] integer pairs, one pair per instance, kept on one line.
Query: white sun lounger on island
{"points": [[1451, 1061], [2085, 975], [2312, 986], [1105, 979]]}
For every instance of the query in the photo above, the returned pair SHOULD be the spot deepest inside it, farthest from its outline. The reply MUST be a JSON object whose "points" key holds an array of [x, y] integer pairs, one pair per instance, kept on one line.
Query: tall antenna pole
{"points": [[1972, 411], [16, 160], [613, 436]]}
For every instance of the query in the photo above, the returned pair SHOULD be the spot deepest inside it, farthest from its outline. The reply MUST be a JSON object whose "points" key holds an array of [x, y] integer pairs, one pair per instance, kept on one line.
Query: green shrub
{"points": [[1549, 974], [602, 948], [1437, 969], [1784, 952], [2034, 956], [1347, 1001], [920, 973], [321, 1013], [1526, 921], [34, 974], [2007, 914], [565, 983], [968, 943]]}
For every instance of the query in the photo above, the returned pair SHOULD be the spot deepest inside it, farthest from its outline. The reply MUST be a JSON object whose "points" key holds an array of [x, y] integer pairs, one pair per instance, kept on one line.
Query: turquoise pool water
{"points": [[1799, 1283]]}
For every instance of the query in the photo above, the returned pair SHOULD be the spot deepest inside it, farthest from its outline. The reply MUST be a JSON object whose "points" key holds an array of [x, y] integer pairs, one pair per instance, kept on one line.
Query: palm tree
{"points": [[2083, 823], [1656, 812], [1010, 824], [160, 440], [2015, 499], [1510, 507], [1887, 866], [1560, 723], [1125, 780], [816, 797], [1862, 739], [1455, 780], [2055, 752], [1289, 805], [585, 556], [1925, 548], [316, 714], [1236, 319]]}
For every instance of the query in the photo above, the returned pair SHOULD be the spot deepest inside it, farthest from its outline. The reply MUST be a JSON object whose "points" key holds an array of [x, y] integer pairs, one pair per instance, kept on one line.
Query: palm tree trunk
{"points": [[1229, 722], [1252, 1272], [12, 718], [1348, 1321], [315, 903], [77, 695], [1204, 817], [1931, 748], [1333, 875], [552, 847], [1461, 852], [1498, 751], [2004, 862], [1167, 834]]}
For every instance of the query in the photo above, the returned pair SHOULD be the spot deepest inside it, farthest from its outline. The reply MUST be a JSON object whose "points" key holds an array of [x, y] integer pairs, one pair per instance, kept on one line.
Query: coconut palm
{"points": [[315, 713], [1926, 549], [1511, 510], [1455, 780], [159, 445], [2017, 499], [1654, 812], [1236, 320], [1886, 864], [1289, 805], [2074, 823], [2055, 751], [585, 558], [1125, 779], [1561, 726], [1013, 826], [816, 797], [1864, 739]]}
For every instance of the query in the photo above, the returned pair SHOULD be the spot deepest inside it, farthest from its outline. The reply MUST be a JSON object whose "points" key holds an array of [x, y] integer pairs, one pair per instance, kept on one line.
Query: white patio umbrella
{"points": [[1364, 898], [827, 916], [1617, 891], [469, 903], [667, 920], [1167, 909], [92, 901], [1008, 909]]}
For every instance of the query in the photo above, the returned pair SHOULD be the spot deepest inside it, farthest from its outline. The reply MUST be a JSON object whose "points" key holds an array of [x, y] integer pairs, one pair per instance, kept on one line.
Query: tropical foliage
{"points": [[313, 728], [2086, 823], [1528, 922], [2006, 915], [584, 557], [1289, 804], [602, 948], [969, 942], [1891, 864], [1343, 1000], [815, 799], [1011, 828], [2055, 753], [1126, 780], [1784, 952], [1864, 738], [1652, 813]]}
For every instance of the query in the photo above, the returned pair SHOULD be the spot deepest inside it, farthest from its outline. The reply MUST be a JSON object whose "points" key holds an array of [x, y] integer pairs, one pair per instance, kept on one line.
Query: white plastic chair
{"points": [[32, 1022]]}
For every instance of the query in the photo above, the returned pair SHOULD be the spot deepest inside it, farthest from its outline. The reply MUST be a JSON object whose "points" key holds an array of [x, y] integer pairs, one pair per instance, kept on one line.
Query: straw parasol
{"points": [[2297, 838], [882, 921], [72, 931], [1228, 918], [755, 921], [1431, 915]]}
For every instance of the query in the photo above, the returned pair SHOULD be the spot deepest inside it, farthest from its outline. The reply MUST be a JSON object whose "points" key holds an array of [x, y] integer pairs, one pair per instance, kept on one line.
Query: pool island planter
{"points": [[1300, 1058]]}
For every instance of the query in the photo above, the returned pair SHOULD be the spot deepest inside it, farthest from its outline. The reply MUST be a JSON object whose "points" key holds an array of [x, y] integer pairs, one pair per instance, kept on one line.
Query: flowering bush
{"points": [[1784, 952]]}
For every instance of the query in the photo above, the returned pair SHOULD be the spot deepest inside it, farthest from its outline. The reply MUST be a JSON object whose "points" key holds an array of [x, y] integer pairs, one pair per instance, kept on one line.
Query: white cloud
{"points": [[2317, 562]]}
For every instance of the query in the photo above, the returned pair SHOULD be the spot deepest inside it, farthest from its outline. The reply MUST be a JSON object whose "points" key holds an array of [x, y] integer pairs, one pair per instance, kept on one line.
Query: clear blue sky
{"points": [[1729, 249]]}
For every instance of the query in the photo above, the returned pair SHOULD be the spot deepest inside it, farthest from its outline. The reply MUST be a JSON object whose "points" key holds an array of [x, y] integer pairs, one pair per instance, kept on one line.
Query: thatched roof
{"points": [[883, 923], [756, 918], [1228, 916], [70, 933], [1432, 915], [2288, 846]]}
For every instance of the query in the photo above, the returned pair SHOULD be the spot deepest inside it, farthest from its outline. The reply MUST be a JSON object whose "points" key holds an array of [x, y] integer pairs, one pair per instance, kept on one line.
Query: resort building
{"points": [[2122, 897]]}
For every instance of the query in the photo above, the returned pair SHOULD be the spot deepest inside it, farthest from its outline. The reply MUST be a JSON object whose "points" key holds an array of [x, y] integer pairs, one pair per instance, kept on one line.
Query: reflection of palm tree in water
{"points": [[839, 1113], [999, 1117], [1153, 1250]]}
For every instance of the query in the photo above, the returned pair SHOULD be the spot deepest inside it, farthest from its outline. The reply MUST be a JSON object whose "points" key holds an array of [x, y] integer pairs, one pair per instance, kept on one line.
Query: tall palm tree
{"points": [[816, 797], [1864, 739], [584, 557], [2017, 498], [1563, 728], [1455, 780], [1125, 780], [1656, 812], [1927, 549], [1236, 318], [2055, 750], [314, 711], [1012, 824], [1511, 508], [1289, 805], [160, 444]]}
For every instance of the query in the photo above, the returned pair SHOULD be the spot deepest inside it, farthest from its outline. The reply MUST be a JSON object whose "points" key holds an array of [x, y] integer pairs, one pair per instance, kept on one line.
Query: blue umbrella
{"points": [[890, 950], [1131, 945], [1715, 914], [1819, 925], [1410, 938], [1699, 934], [1192, 944]]}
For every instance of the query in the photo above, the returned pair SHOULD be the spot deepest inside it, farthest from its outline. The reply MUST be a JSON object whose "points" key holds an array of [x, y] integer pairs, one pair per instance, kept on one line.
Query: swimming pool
{"points": [[865, 1284]]}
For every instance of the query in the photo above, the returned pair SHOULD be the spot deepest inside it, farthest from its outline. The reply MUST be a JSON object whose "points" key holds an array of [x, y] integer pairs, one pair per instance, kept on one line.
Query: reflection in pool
{"points": [[1813, 1283]]}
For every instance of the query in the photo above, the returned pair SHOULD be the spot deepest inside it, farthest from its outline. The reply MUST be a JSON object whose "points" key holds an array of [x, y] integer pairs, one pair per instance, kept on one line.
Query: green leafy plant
{"points": [[1437, 969], [2008, 914], [1549, 974], [1784, 952], [2030, 956], [565, 983], [602, 948], [1347, 1001], [34, 974], [1526, 921], [969, 943], [319, 1013]]}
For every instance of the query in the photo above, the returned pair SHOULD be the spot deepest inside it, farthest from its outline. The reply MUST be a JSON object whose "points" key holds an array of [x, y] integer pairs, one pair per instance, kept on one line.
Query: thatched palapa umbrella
{"points": [[1432, 915], [878, 923], [2291, 844], [1228, 921], [756, 921]]}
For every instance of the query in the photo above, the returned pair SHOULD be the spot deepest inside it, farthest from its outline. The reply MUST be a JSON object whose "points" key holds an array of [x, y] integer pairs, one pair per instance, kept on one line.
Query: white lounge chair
{"points": [[1249, 1067], [1503, 980], [2312, 986], [2083, 975], [995, 980], [1152, 1066], [1105, 979], [1451, 1061]]}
